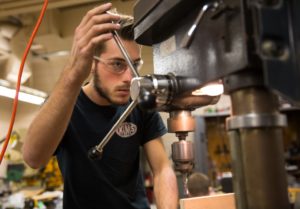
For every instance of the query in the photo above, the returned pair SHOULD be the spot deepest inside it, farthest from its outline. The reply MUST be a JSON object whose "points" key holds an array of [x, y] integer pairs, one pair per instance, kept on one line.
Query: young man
{"points": [[75, 118]]}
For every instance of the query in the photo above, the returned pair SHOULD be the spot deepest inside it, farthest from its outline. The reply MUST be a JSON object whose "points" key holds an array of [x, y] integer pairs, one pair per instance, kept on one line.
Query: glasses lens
{"points": [[117, 66]]}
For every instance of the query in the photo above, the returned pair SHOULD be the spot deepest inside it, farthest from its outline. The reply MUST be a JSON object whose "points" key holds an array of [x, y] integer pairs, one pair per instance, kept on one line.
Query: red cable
{"points": [[15, 104]]}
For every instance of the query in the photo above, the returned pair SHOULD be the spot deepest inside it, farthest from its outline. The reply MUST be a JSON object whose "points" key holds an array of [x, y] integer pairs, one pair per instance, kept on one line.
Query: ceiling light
{"points": [[26, 94], [48, 55]]}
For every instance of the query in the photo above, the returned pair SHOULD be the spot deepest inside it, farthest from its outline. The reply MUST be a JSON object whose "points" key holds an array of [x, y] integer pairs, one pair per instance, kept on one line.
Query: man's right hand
{"points": [[94, 28]]}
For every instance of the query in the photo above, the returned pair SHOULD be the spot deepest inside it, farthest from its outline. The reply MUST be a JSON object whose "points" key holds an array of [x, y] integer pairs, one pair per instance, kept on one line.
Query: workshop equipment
{"points": [[253, 47]]}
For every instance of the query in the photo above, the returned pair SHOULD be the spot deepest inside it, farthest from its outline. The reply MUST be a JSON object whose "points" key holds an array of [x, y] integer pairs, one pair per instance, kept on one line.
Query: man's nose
{"points": [[128, 74]]}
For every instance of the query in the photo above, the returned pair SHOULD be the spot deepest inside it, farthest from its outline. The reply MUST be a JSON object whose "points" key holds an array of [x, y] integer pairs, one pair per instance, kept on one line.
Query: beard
{"points": [[103, 92]]}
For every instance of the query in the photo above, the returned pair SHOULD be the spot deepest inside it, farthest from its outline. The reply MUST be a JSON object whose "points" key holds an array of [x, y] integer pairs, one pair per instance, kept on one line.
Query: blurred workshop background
{"points": [[22, 187]]}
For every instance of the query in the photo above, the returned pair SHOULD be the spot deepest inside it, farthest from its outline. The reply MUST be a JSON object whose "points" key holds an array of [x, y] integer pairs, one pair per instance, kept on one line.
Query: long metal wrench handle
{"points": [[117, 124], [124, 52], [96, 152], [187, 39]]}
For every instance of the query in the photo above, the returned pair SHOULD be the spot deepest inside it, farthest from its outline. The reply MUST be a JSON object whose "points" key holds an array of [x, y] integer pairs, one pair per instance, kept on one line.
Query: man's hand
{"points": [[95, 28]]}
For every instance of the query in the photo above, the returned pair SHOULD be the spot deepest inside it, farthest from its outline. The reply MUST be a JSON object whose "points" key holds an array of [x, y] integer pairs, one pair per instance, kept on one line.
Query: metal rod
{"points": [[185, 187], [108, 136], [124, 52], [187, 39], [96, 152]]}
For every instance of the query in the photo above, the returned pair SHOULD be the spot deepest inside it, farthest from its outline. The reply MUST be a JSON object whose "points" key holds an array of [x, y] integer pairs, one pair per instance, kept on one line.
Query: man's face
{"points": [[111, 85]]}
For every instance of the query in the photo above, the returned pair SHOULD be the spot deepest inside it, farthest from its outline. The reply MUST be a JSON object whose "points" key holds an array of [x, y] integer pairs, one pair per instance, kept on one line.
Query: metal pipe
{"points": [[124, 52], [257, 150], [96, 152]]}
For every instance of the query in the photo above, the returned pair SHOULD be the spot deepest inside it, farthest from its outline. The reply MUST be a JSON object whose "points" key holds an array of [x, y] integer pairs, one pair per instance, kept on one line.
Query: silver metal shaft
{"points": [[187, 39], [108, 136], [185, 187], [124, 52], [111, 132]]}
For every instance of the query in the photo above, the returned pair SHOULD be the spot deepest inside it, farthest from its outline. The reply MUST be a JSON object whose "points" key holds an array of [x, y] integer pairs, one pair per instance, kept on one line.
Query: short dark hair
{"points": [[198, 184], [125, 32]]}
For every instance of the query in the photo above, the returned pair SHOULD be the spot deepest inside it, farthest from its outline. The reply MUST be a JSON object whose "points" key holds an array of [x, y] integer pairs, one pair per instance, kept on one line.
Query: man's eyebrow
{"points": [[123, 60], [117, 59]]}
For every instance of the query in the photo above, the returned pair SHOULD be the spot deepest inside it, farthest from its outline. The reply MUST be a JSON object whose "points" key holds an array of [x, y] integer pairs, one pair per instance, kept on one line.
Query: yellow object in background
{"points": [[293, 192], [51, 175]]}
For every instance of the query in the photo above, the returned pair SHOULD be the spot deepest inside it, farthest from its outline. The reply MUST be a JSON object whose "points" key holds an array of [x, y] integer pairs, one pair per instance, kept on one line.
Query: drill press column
{"points": [[257, 149]]}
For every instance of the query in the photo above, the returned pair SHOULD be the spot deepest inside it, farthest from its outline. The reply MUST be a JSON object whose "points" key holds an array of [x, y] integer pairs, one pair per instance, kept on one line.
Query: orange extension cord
{"points": [[15, 104]]}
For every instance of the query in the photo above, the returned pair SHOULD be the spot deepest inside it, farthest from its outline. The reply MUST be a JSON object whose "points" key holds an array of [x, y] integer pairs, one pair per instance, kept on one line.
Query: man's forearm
{"points": [[165, 189], [48, 127]]}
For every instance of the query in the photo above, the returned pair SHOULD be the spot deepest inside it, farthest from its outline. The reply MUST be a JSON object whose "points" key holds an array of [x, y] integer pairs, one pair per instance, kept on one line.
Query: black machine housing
{"points": [[260, 38]]}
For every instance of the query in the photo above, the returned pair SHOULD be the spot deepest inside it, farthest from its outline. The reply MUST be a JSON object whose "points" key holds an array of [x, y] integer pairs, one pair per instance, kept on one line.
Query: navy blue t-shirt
{"points": [[115, 181]]}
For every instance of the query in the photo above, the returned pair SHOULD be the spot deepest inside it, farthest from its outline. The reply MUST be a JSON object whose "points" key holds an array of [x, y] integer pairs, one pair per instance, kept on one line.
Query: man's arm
{"points": [[165, 184], [48, 127]]}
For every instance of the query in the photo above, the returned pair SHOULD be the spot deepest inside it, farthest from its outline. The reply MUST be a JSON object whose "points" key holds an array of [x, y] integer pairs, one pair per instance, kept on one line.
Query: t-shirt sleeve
{"points": [[153, 126]]}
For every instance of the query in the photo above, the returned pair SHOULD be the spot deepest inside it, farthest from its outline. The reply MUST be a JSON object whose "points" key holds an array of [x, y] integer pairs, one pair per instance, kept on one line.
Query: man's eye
{"points": [[119, 65]]}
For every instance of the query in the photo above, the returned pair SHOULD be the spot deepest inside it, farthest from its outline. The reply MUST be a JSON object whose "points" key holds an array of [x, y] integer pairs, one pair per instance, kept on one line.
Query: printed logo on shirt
{"points": [[126, 130]]}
